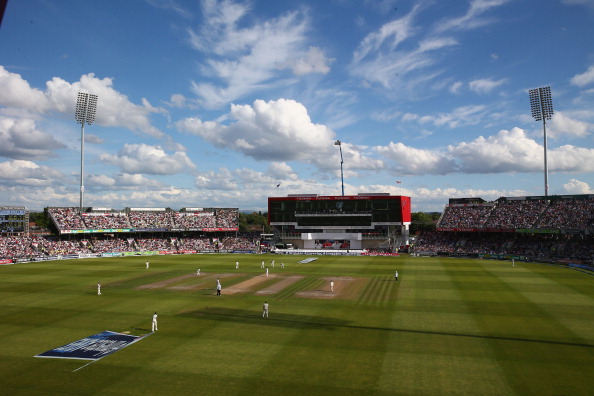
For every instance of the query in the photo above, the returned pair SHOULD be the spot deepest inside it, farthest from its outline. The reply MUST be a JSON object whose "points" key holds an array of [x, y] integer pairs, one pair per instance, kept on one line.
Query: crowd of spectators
{"points": [[568, 214], [237, 243], [30, 247], [67, 218], [227, 218], [512, 214], [151, 220], [559, 214], [154, 244], [106, 220], [18, 247], [198, 220], [188, 244], [467, 216], [535, 246], [72, 219], [57, 247], [113, 245]]}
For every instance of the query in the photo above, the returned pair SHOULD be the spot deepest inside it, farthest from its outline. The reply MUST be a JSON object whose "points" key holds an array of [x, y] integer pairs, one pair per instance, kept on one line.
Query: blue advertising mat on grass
{"points": [[93, 347]]}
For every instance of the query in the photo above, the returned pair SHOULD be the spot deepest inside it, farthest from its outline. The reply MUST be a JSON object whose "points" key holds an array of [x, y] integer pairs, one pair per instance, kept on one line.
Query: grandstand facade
{"points": [[353, 222]]}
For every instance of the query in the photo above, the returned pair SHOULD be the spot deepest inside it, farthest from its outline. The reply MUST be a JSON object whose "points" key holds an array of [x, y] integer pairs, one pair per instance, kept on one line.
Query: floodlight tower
{"points": [[339, 144], [86, 107], [542, 109]]}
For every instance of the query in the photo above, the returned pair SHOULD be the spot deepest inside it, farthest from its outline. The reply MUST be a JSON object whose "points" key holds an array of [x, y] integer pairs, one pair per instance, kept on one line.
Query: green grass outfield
{"points": [[448, 327]]}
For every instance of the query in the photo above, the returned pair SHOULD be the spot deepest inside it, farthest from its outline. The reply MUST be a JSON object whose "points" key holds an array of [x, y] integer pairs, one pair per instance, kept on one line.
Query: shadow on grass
{"points": [[275, 319], [317, 322]]}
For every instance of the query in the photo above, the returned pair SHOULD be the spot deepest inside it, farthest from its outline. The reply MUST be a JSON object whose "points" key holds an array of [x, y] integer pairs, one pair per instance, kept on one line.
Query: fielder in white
{"points": [[265, 309], [147, 264], [267, 272], [332, 286], [198, 272], [236, 264], [155, 322], [98, 289]]}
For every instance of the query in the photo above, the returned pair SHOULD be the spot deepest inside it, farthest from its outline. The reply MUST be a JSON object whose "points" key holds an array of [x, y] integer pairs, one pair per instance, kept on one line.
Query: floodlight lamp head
{"points": [[541, 103], [86, 107], [337, 143]]}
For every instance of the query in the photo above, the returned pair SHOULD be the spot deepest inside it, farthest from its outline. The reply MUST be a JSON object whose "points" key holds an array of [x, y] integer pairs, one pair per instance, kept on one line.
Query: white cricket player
{"points": [[332, 286], [147, 264], [198, 272], [98, 289], [155, 322], [236, 264], [265, 309], [267, 272]]}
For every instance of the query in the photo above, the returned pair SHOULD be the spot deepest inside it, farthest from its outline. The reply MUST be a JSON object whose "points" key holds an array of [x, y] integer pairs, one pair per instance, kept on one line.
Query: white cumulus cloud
{"points": [[28, 173], [574, 186], [20, 139], [584, 78], [506, 152], [143, 158]]}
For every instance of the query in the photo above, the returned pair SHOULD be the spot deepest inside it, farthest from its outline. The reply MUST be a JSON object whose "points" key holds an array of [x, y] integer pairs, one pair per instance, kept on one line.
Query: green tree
{"points": [[422, 221], [41, 219], [255, 221]]}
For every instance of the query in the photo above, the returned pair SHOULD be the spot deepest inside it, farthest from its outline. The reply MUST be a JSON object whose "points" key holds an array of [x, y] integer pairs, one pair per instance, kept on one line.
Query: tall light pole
{"points": [[86, 107], [339, 144], [542, 110]]}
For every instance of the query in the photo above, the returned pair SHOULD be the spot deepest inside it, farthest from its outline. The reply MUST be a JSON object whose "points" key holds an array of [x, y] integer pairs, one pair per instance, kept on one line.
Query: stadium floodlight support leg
{"points": [[339, 144], [541, 105], [86, 106], [82, 166], [546, 164]]}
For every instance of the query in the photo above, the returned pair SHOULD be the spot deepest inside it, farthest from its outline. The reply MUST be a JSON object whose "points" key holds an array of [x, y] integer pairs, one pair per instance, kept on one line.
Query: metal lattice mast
{"points": [[86, 107], [339, 144], [541, 104]]}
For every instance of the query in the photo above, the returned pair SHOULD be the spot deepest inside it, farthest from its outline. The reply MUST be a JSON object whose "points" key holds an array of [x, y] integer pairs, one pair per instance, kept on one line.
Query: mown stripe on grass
{"points": [[378, 291], [136, 280], [292, 289], [528, 319], [310, 283]]}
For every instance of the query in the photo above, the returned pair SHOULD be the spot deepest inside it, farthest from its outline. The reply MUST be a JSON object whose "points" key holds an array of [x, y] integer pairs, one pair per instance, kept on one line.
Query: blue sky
{"points": [[215, 103]]}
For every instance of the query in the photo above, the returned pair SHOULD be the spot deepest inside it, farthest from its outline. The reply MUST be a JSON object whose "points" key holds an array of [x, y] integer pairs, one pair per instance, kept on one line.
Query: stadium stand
{"points": [[551, 229], [151, 220], [105, 220], [556, 229], [112, 245], [67, 218], [197, 220], [510, 214]]}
